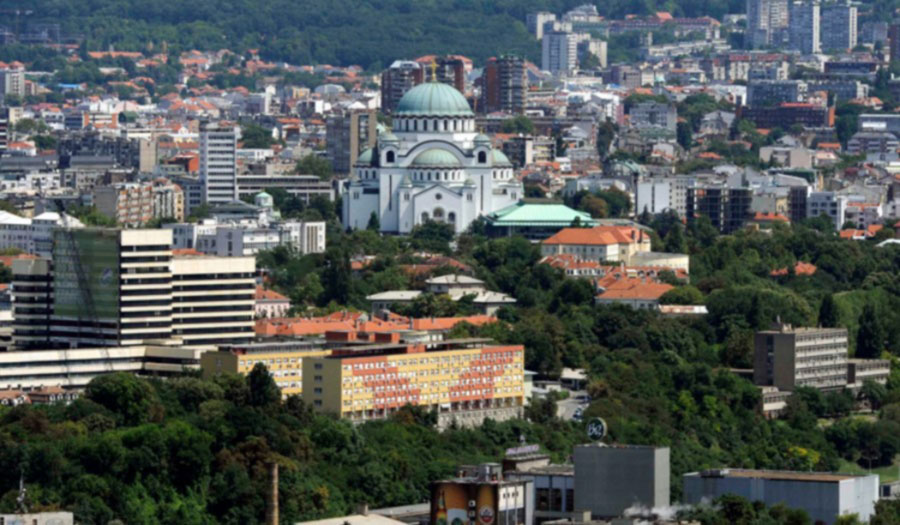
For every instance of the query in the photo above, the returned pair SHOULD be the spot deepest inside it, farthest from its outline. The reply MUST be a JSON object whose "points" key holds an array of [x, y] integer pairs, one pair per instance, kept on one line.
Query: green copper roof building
{"points": [[535, 221]]}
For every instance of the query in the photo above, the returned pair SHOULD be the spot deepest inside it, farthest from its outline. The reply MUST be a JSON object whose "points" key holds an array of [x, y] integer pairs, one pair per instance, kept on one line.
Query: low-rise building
{"points": [[270, 303], [283, 360], [601, 243], [825, 497], [481, 494], [610, 478], [248, 237]]}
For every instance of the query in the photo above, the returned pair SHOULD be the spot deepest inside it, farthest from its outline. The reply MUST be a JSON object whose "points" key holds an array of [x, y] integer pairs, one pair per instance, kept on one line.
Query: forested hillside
{"points": [[370, 33]]}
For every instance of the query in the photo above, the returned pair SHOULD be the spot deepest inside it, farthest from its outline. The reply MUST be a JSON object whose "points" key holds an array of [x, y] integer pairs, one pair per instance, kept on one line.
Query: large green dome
{"points": [[436, 158], [433, 99]]}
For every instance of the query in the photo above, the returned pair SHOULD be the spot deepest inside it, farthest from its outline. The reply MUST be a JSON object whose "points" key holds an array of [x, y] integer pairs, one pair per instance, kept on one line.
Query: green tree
{"points": [[336, 276], [263, 390], [684, 135], [518, 124], [675, 240], [374, 223], [255, 136], [314, 165], [829, 317], [871, 335], [129, 398], [686, 294]]}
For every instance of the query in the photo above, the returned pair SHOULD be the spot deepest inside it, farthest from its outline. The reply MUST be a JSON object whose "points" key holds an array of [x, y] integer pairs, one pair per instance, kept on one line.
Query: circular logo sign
{"points": [[596, 429], [486, 515]]}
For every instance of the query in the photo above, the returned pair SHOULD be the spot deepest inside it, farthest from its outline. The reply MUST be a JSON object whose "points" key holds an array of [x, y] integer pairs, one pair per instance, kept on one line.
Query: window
{"points": [[317, 390], [438, 197], [438, 214], [451, 217], [406, 196], [390, 156], [543, 499], [482, 157], [424, 216]]}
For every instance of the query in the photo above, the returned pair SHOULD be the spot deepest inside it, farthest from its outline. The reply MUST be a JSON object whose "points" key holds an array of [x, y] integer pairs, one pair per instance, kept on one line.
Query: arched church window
{"points": [[482, 157], [390, 156], [451, 217], [424, 216], [438, 214]]}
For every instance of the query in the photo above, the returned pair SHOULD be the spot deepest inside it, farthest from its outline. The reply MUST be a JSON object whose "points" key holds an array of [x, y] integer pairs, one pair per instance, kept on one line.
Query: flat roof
{"points": [[786, 475], [452, 344]]}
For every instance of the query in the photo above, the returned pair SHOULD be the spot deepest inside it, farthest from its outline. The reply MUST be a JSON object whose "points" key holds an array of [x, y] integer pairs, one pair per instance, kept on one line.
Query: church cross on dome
{"points": [[434, 70]]}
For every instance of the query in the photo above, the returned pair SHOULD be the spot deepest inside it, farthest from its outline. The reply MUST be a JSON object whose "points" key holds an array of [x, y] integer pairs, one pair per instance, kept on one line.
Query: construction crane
{"points": [[17, 13]]}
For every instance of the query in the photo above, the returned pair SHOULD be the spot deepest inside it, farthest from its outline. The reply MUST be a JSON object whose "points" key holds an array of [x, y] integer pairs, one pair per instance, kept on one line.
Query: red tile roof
{"points": [[598, 235]]}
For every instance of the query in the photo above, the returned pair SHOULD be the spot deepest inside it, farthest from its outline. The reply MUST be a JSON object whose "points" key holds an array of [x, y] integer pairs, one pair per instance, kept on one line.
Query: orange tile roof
{"points": [[7, 260], [598, 235], [774, 217], [801, 268], [344, 321], [265, 294], [635, 288]]}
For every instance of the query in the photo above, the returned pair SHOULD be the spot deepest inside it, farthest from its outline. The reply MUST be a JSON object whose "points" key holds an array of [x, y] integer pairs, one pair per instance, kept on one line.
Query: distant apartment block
{"points": [[396, 80], [775, 92], [218, 163], [727, 208], [789, 358], [839, 27], [349, 133], [653, 115], [504, 85], [804, 26], [559, 52]]}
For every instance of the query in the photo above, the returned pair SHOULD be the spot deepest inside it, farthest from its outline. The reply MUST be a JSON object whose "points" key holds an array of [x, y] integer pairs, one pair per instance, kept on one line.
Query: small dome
{"points": [[481, 138], [365, 158], [470, 183], [263, 200], [436, 158], [500, 159], [405, 182], [433, 99]]}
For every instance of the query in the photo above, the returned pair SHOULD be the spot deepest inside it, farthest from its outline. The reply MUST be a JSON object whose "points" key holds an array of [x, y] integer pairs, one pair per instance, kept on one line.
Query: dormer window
{"points": [[482, 157], [389, 157]]}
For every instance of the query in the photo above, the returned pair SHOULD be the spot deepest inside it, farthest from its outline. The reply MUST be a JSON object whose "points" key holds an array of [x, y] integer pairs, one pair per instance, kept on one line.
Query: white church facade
{"points": [[432, 165]]}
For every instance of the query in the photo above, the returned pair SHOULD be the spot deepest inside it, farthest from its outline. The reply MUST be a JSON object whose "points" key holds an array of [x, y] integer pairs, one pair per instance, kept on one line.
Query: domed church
{"points": [[432, 165]]}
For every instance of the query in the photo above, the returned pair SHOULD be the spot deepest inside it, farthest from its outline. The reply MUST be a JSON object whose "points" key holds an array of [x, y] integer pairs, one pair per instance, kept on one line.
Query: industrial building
{"points": [[481, 495], [823, 496], [464, 380], [612, 478]]}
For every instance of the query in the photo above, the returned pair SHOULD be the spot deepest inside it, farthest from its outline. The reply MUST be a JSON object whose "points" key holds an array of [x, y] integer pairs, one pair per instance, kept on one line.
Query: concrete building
{"points": [[34, 235], [653, 196], [727, 208], [788, 358], [827, 203], [612, 478], [73, 369], [38, 518], [284, 360], [349, 133], [873, 143], [4, 130], [559, 53], [480, 494], [553, 485], [839, 27], [240, 238], [536, 23], [271, 304], [504, 85], [107, 287], [218, 163], [12, 80], [654, 115], [825, 497], [372, 381], [766, 22], [804, 26], [774, 92], [396, 80], [130, 204]]}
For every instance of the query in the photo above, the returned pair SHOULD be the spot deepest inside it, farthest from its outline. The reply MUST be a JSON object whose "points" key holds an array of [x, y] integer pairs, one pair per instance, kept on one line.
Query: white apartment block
{"points": [[788, 358], [218, 163], [33, 235], [653, 197], [239, 238], [827, 203]]}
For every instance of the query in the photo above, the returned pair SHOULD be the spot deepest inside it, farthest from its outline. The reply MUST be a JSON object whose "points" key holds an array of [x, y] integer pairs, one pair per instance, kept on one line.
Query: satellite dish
{"points": [[596, 429]]}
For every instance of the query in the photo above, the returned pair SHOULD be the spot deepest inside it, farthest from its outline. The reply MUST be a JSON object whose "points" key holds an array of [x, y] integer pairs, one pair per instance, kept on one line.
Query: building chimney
{"points": [[362, 509], [272, 504]]}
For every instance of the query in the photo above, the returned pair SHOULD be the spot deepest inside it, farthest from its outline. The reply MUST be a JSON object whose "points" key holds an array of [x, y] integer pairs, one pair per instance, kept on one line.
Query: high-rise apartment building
{"points": [[347, 134], [450, 70], [804, 26], [894, 41], [839, 27], [559, 52], [105, 287], [504, 85], [129, 203], [767, 21], [727, 208], [218, 163], [536, 23], [462, 380], [788, 358], [396, 80]]}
